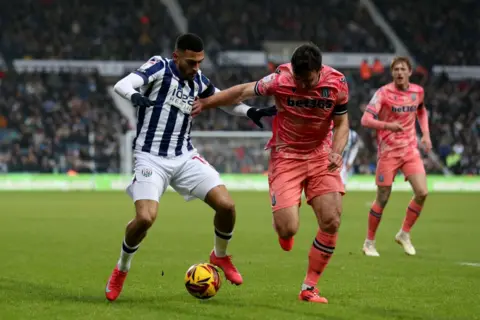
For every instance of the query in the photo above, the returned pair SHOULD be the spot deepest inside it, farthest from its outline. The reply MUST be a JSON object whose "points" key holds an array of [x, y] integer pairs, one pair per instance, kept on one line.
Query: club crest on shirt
{"points": [[147, 172], [414, 96], [268, 79], [325, 92]]}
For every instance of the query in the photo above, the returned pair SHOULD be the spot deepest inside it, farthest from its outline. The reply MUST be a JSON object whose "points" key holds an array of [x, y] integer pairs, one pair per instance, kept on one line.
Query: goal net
{"points": [[227, 151]]}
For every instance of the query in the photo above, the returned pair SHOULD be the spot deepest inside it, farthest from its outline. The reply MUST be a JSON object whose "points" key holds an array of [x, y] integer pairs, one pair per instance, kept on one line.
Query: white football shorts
{"points": [[188, 174]]}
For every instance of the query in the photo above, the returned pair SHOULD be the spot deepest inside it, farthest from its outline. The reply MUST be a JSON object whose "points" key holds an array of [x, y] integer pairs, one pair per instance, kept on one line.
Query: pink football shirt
{"points": [[390, 104], [303, 125]]}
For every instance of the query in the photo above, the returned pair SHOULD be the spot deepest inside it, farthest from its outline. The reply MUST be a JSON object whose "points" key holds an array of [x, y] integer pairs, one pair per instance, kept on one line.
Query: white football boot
{"points": [[403, 239], [369, 248]]}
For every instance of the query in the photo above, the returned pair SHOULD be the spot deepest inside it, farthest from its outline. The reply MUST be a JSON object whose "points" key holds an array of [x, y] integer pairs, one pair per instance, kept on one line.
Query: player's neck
{"points": [[402, 86]]}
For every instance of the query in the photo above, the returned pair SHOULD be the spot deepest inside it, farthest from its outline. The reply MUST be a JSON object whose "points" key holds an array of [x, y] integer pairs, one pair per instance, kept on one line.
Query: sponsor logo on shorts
{"points": [[274, 200], [147, 172]]}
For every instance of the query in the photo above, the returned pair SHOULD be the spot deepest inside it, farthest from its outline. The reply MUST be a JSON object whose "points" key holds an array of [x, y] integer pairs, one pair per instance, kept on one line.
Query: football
{"points": [[202, 280]]}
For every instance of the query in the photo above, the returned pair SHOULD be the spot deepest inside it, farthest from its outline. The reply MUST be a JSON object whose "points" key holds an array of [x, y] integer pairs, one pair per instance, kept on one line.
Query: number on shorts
{"points": [[200, 159]]}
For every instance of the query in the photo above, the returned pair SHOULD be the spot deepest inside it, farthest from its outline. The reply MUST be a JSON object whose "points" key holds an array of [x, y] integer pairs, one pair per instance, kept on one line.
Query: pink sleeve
{"points": [[370, 117], [375, 104], [267, 86], [422, 115], [342, 97]]}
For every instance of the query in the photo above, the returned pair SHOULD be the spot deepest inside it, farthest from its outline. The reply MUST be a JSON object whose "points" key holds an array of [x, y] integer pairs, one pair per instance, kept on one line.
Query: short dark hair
{"points": [[189, 41], [306, 58]]}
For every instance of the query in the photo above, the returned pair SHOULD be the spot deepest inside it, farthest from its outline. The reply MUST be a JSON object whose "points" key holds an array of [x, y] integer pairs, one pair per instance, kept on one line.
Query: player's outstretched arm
{"points": [[254, 114], [231, 96]]}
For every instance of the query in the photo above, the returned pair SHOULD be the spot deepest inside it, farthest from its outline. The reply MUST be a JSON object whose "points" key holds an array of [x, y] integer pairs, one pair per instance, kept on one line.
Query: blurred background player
{"points": [[311, 98], [393, 111], [351, 150], [164, 154]]}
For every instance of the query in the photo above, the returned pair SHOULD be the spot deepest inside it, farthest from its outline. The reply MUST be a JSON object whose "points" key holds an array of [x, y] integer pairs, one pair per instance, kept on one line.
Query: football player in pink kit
{"points": [[392, 112], [311, 99]]}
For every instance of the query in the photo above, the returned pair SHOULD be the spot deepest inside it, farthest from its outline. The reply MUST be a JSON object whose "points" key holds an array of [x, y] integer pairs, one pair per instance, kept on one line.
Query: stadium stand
{"points": [[444, 33], [90, 30], [58, 122], [348, 27]]}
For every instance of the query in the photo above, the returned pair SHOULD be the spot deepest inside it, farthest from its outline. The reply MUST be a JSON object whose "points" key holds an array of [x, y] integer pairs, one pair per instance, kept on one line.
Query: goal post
{"points": [[227, 151]]}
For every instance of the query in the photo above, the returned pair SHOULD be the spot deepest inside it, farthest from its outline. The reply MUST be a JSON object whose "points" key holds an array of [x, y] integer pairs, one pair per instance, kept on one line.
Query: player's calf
{"points": [[328, 211], [146, 213], [219, 199], [414, 209]]}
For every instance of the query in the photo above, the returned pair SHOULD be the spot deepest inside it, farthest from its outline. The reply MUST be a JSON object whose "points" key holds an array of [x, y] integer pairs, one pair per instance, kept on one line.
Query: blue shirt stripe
{"points": [[157, 109], [167, 134], [140, 120]]}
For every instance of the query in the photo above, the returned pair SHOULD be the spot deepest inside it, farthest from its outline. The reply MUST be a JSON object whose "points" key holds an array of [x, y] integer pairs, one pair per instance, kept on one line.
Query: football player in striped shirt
{"points": [[354, 144], [163, 90]]}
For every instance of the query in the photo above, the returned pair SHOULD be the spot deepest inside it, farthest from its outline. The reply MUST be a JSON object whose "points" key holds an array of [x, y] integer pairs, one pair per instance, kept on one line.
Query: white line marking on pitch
{"points": [[470, 264]]}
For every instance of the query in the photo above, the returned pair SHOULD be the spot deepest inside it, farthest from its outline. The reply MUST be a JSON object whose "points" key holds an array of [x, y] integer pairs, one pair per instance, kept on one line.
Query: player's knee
{"points": [[286, 230], [145, 221], [331, 223], [146, 216], [421, 195], [382, 196], [226, 207]]}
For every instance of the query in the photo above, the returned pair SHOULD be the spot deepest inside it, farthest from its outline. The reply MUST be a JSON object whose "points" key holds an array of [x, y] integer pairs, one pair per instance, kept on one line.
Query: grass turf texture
{"points": [[58, 249]]}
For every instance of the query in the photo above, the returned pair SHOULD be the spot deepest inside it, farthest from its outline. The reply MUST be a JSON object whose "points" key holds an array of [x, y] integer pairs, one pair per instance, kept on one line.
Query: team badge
{"points": [[268, 79], [325, 93], [146, 172], [381, 178], [274, 200], [414, 96]]}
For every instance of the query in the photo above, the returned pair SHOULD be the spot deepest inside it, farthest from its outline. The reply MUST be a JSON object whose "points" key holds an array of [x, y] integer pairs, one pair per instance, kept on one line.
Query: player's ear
{"points": [[175, 56]]}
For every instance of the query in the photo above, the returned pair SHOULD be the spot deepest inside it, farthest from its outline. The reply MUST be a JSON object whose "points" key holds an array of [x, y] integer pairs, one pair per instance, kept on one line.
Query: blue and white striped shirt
{"points": [[164, 129], [351, 149]]}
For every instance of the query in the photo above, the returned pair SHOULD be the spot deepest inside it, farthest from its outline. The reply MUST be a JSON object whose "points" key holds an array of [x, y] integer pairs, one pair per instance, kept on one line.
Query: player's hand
{"points": [[197, 107], [394, 126], [427, 143], [335, 160], [256, 114], [141, 101]]}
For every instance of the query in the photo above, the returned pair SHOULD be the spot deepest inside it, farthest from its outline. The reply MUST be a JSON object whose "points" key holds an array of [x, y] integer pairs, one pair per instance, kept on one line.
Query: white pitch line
{"points": [[471, 264]]}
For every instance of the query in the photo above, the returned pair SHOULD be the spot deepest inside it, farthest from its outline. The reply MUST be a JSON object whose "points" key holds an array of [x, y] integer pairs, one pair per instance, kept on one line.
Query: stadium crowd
{"points": [[61, 122], [244, 25], [443, 33], [58, 122], [89, 30]]}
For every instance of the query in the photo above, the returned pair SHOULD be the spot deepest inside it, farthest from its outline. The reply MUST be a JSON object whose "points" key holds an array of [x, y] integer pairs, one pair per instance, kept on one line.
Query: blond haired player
{"points": [[393, 111]]}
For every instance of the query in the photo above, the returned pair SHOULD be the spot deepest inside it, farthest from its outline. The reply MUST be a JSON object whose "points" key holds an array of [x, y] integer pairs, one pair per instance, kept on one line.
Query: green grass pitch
{"points": [[58, 249]]}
